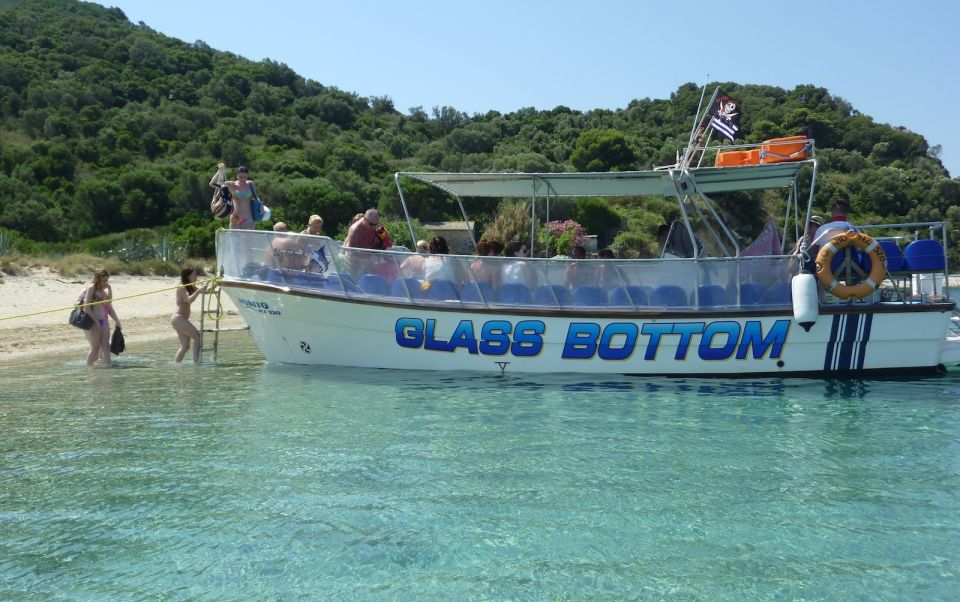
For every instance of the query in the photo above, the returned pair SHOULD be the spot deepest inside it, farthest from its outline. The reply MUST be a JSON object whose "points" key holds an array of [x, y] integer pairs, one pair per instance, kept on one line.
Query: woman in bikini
{"points": [[241, 190], [98, 336], [180, 320]]}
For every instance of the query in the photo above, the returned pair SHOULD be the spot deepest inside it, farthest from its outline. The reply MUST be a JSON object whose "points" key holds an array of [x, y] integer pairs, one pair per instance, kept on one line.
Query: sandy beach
{"points": [[143, 303]]}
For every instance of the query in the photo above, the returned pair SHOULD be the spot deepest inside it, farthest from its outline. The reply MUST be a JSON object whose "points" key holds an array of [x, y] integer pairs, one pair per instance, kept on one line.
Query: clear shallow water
{"points": [[248, 481]]}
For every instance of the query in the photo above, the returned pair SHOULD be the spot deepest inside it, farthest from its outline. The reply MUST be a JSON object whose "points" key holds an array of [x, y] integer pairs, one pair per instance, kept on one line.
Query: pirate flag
{"points": [[725, 116]]}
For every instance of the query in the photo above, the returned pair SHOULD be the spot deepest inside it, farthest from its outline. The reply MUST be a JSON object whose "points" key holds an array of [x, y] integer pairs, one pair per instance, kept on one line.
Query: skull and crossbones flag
{"points": [[725, 116]]}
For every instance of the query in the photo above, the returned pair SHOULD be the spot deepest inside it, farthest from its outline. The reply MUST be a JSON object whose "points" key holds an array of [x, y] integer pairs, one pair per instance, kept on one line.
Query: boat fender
{"points": [[806, 300], [878, 265]]}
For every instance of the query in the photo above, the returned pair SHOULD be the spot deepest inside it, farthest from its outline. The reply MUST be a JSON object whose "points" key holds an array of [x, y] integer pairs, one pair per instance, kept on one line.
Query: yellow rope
{"points": [[69, 307], [217, 314]]}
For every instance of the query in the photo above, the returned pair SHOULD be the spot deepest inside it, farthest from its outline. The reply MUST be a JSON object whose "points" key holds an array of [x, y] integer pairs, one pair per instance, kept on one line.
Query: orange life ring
{"points": [[878, 265]]}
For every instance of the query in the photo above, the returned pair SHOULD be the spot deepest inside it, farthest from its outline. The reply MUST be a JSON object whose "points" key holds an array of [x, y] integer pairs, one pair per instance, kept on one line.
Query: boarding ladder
{"points": [[210, 304]]}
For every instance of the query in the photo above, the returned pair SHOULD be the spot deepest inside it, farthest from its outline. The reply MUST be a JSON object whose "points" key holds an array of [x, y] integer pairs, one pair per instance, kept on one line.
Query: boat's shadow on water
{"points": [[774, 387]]}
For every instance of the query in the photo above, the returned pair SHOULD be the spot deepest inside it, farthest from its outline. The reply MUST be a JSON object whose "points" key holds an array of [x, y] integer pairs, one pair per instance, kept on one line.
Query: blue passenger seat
{"points": [[891, 250], [750, 293], [515, 294], [631, 295], [781, 294], [924, 256], [589, 295], [551, 295], [477, 292], [442, 290], [334, 282], [710, 295], [374, 284], [668, 295], [407, 287]]}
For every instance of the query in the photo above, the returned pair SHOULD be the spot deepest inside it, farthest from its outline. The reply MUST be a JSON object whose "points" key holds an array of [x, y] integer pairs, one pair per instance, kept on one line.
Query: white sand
{"points": [[145, 317]]}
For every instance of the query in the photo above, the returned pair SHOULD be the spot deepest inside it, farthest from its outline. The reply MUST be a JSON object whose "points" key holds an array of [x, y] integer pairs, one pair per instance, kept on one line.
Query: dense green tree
{"points": [[106, 125], [603, 150]]}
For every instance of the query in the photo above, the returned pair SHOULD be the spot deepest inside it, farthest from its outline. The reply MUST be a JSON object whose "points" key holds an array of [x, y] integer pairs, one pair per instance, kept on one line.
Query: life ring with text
{"points": [[866, 244]]}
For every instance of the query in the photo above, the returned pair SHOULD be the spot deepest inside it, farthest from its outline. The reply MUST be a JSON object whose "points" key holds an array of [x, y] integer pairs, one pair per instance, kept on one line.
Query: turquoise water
{"points": [[244, 481]]}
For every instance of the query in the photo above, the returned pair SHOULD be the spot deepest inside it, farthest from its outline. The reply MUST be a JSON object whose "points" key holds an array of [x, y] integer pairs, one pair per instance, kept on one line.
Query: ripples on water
{"points": [[248, 481]]}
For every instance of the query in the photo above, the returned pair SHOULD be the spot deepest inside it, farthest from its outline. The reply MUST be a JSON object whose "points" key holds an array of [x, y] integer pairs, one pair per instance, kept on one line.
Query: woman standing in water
{"points": [[180, 320], [98, 336]]}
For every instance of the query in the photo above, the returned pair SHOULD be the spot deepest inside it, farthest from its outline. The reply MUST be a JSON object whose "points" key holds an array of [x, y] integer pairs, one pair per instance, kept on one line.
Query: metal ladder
{"points": [[205, 306]]}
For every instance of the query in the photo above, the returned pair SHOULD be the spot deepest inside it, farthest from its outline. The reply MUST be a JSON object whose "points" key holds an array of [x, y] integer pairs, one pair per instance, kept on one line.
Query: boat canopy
{"points": [[707, 180]]}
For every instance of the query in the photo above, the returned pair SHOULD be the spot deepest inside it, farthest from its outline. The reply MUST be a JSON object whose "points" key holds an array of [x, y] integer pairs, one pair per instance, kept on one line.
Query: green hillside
{"points": [[107, 126]]}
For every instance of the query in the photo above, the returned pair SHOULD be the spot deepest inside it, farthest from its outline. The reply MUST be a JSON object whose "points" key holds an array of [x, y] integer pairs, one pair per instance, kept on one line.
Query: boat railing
{"points": [[916, 255], [321, 264], [775, 150]]}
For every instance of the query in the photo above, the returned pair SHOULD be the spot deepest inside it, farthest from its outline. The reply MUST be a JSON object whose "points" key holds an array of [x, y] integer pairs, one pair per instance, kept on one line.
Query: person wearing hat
{"points": [[812, 226], [314, 225]]}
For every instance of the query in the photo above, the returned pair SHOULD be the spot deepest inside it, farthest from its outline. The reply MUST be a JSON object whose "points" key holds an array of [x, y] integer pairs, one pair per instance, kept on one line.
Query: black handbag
{"points": [[117, 344], [80, 318]]}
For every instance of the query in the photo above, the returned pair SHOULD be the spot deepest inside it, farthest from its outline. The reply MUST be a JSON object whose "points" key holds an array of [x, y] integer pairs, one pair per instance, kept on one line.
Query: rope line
{"points": [[70, 307]]}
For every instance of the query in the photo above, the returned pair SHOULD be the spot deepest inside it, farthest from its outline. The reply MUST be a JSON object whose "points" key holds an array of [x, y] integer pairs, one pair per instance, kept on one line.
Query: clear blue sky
{"points": [[898, 62]]}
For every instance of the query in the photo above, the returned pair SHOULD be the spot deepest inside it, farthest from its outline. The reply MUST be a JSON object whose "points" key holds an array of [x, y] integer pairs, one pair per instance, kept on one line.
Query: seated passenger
{"points": [[285, 251], [608, 273], [518, 271], [414, 265], [438, 267], [578, 274], [484, 270], [314, 226]]}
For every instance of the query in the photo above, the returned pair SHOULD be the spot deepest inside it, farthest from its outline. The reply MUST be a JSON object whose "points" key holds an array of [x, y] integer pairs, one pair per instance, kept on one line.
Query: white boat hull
{"points": [[305, 328]]}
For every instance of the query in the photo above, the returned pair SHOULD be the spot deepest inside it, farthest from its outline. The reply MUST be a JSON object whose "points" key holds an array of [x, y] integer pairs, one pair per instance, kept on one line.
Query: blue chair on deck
{"points": [[781, 294], [477, 292], [924, 256], [334, 282], [407, 287], [551, 295], [515, 294], [275, 276], [750, 293], [710, 295], [589, 295], [669, 295], [895, 262], [630, 295], [442, 290], [374, 284]]}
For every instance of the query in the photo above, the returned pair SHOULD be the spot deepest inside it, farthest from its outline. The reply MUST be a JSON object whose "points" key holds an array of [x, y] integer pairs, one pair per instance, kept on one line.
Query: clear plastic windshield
{"points": [[320, 263]]}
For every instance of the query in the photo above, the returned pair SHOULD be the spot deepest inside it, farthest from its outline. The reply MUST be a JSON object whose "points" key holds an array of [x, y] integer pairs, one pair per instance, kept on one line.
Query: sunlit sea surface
{"points": [[243, 481]]}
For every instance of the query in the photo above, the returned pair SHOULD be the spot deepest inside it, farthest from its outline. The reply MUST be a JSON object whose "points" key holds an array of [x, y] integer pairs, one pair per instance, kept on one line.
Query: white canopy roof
{"points": [[612, 184]]}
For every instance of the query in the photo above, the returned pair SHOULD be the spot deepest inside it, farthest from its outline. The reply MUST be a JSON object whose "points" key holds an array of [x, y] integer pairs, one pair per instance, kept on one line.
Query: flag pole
{"points": [[703, 92], [706, 143], [697, 134]]}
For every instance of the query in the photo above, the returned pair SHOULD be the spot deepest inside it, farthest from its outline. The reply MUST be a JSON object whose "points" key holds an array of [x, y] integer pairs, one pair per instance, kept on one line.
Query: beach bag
{"points": [[79, 316], [261, 212], [221, 205], [117, 344]]}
